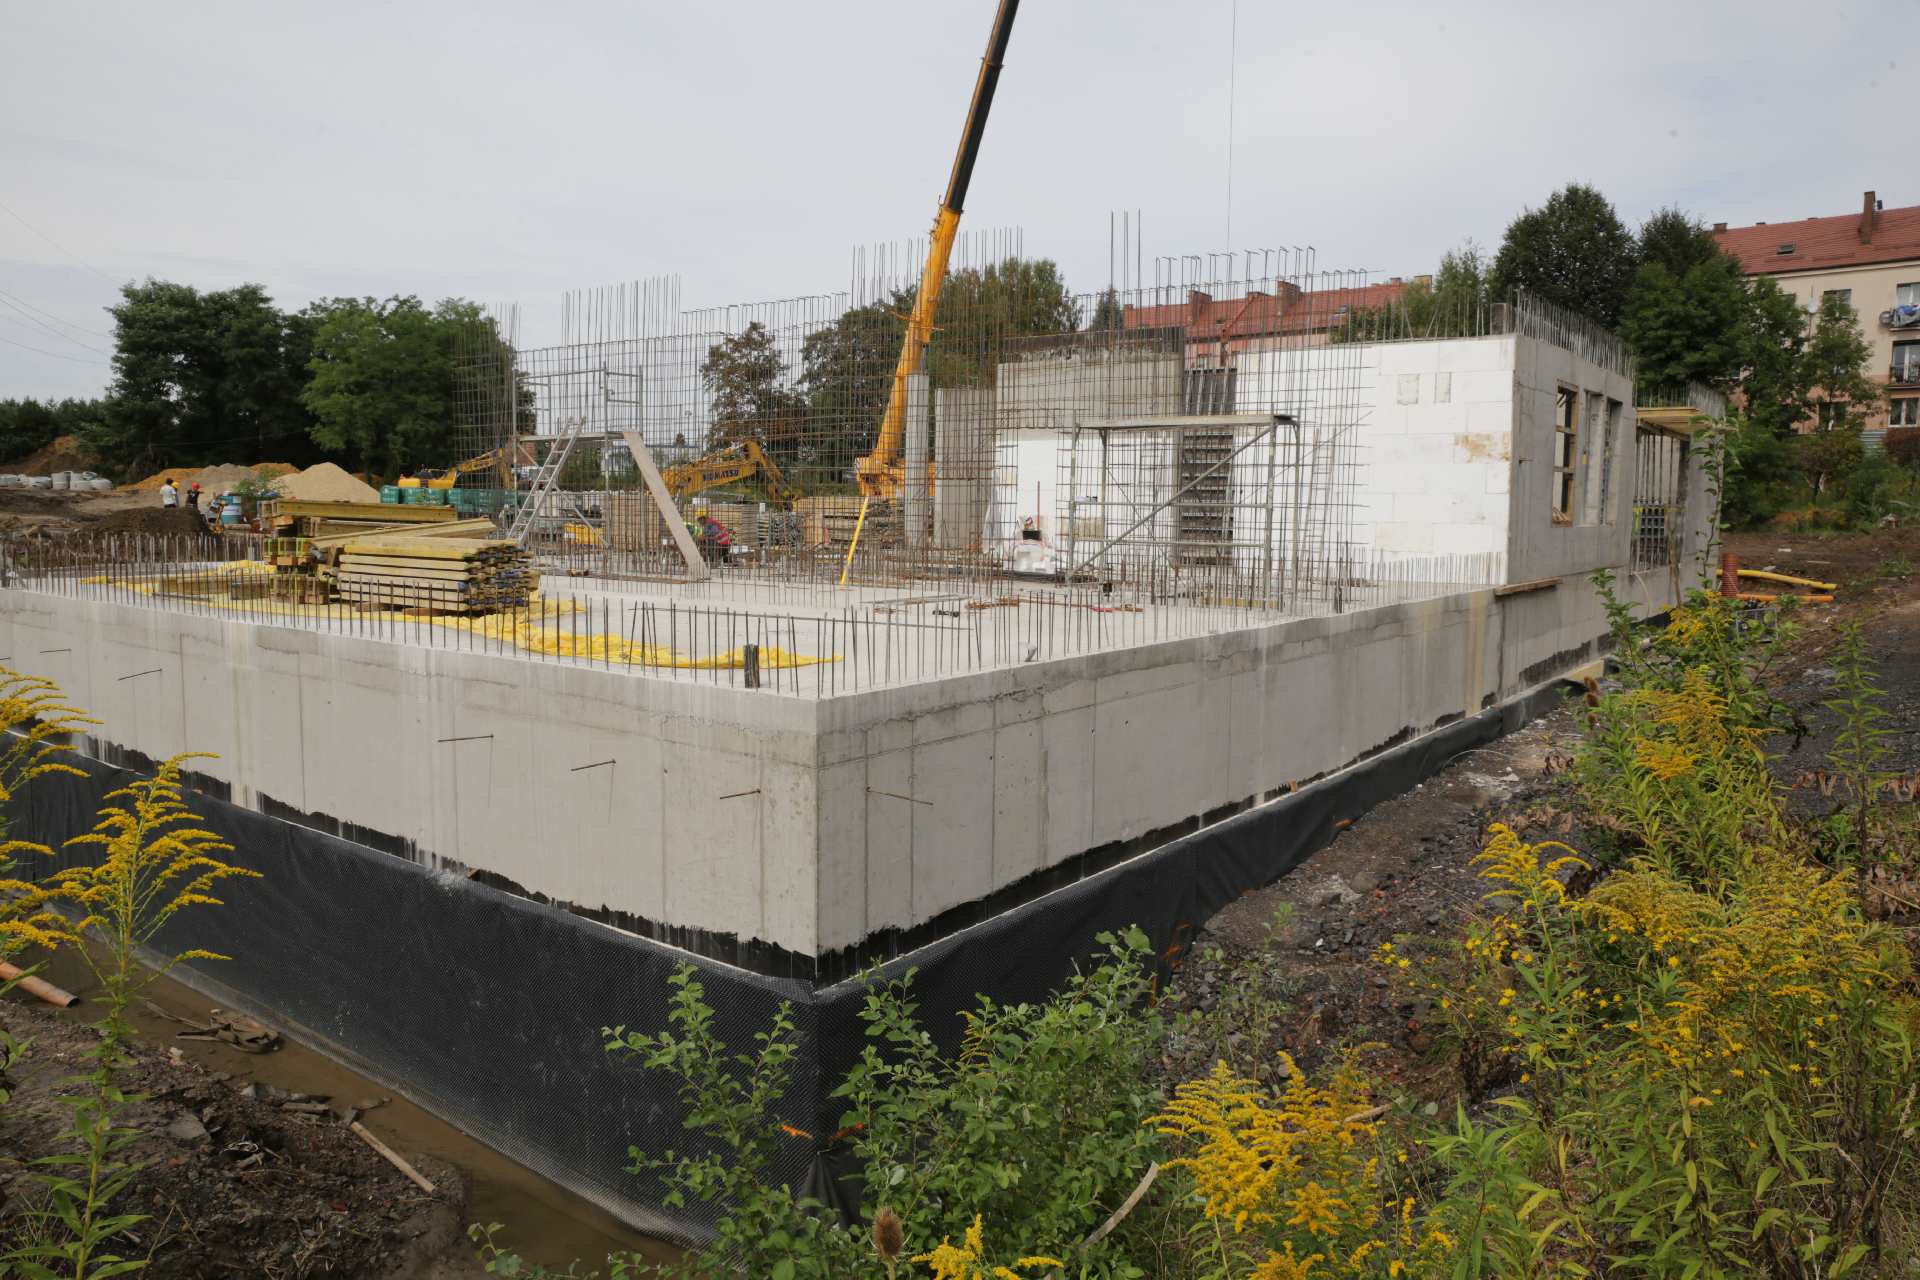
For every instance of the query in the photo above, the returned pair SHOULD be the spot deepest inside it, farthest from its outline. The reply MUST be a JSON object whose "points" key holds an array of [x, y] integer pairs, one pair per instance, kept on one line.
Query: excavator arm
{"points": [[726, 466], [881, 473]]}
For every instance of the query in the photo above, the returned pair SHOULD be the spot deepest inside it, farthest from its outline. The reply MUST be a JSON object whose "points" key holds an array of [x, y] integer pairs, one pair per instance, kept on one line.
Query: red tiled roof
{"points": [[1824, 243], [1263, 313]]}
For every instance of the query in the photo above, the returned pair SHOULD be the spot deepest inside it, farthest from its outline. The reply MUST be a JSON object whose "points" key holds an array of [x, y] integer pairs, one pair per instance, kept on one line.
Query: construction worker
{"points": [[169, 496], [193, 498], [715, 540]]}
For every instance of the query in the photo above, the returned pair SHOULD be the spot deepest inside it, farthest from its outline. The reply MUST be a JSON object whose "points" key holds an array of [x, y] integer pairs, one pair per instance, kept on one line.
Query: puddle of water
{"points": [[545, 1223]]}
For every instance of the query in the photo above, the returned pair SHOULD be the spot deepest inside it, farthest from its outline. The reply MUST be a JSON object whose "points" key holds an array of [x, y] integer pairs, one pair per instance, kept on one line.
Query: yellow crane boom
{"points": [[881, 473]]}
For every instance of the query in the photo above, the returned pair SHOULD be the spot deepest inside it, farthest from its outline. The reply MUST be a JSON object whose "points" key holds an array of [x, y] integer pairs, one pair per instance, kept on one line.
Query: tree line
{"points": [[1689, 314], [819, 408], [374, 385]]}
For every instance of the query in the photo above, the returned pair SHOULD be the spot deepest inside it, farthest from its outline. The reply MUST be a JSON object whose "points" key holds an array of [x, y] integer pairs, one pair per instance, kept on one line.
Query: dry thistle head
{"points": [[889, 1234]]}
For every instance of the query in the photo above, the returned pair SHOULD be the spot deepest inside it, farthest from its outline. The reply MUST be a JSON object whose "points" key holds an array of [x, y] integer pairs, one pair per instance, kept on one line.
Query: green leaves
{"points": [[1037, 1123], [1573, 251], [382, 382]]}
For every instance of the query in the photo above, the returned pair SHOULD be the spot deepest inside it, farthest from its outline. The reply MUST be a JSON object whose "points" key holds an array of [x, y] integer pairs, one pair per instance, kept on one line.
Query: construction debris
{"points": [[243, 1033]]}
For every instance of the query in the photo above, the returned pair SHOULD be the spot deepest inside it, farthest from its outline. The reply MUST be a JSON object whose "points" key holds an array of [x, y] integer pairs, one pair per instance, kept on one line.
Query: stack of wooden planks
{"points": [[831, 518], [437, 575]]}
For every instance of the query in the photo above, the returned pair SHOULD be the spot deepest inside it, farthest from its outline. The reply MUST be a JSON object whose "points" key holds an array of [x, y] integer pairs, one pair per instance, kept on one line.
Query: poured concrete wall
{"points": [[963, 465], [349, 730], [806, 824], [939, 794]]}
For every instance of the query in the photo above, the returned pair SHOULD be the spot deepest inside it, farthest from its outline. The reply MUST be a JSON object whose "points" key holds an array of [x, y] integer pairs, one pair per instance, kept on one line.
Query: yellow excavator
{"points": [[726, 466], [446, 478], [881, 473]]}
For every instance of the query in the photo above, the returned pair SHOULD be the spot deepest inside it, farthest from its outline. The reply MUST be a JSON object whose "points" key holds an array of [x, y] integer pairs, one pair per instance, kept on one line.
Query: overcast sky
{"points": [[513, 152]]}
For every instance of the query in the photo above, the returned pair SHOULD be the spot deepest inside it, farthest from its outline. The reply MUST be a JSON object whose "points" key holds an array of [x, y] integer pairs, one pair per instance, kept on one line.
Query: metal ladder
{"points": [[546, 480]]}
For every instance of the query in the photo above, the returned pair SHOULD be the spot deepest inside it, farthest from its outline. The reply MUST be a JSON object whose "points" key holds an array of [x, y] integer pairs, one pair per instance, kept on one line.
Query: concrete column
{"points": [[964, 452], [913, 500]]}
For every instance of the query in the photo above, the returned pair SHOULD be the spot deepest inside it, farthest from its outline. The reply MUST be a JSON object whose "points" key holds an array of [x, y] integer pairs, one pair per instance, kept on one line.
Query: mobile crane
{"points": [[881, 473]]}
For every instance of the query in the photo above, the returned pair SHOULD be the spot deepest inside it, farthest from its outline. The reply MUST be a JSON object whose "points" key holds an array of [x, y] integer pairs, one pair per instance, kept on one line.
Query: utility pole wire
{"points": [[55, 354], [31, 319], [62, 248], [98, 333]]}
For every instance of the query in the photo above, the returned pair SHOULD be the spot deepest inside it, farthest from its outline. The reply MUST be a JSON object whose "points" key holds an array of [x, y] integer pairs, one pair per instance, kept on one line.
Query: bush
{"points": [[1039, 1122], [1902, 445], [1716, 1047]]}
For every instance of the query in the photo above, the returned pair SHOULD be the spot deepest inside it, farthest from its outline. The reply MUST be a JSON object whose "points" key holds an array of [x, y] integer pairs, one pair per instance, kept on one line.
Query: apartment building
{"points": [[1871, 259]]}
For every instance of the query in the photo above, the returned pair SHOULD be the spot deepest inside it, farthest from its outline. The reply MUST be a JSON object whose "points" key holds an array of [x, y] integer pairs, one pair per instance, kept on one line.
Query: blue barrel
{"points": [[390, 493]]}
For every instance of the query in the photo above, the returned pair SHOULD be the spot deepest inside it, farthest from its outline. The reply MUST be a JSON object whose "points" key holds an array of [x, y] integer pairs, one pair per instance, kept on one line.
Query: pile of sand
{"points": [[324, 482], [215, 479]]}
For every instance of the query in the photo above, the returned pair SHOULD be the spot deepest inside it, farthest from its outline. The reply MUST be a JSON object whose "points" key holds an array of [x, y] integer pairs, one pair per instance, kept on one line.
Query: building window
{"points": [[1832, 413], [1907, 295], [1208, 390], [1606, 460], [1904, 412], [1565, 454], [1659, 499], [1843, 296], [1906, 362]]}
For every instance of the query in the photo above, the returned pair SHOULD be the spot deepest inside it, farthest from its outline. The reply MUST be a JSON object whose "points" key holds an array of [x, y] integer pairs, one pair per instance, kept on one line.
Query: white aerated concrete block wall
{"points": [[1436, 447]]}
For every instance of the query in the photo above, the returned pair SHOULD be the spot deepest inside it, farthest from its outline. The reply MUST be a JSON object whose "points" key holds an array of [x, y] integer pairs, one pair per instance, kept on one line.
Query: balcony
{"points": [[1901, 317], [1905, 373]]}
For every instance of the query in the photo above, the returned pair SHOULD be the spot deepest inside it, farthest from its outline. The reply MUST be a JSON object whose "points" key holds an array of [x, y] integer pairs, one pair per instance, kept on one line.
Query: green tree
{"points": [[1461, 290], [1692, 327], [388, 383], [981, 307], [1686, 316], [1833, 369], [25, 425], [1449, 305], [1775, 338], [847, 367], [202, 377], [745, 376], [846, 374], [1573, 251], [1676, 240], [1109, 316]]}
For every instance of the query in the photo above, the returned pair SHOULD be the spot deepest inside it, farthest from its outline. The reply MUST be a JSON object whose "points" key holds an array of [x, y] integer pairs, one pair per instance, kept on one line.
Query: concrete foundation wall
{"points": [[937, 795], [863, 813], [350, 730]]}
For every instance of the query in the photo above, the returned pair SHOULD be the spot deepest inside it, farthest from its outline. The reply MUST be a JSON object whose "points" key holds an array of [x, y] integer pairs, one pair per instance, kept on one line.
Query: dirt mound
{"points": [[219, 478], [154, 519], [324, 482], [64, 454]]}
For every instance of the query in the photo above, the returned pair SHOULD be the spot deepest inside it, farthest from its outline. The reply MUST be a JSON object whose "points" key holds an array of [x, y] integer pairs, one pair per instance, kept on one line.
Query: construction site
{"points": [[941, 620]]}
